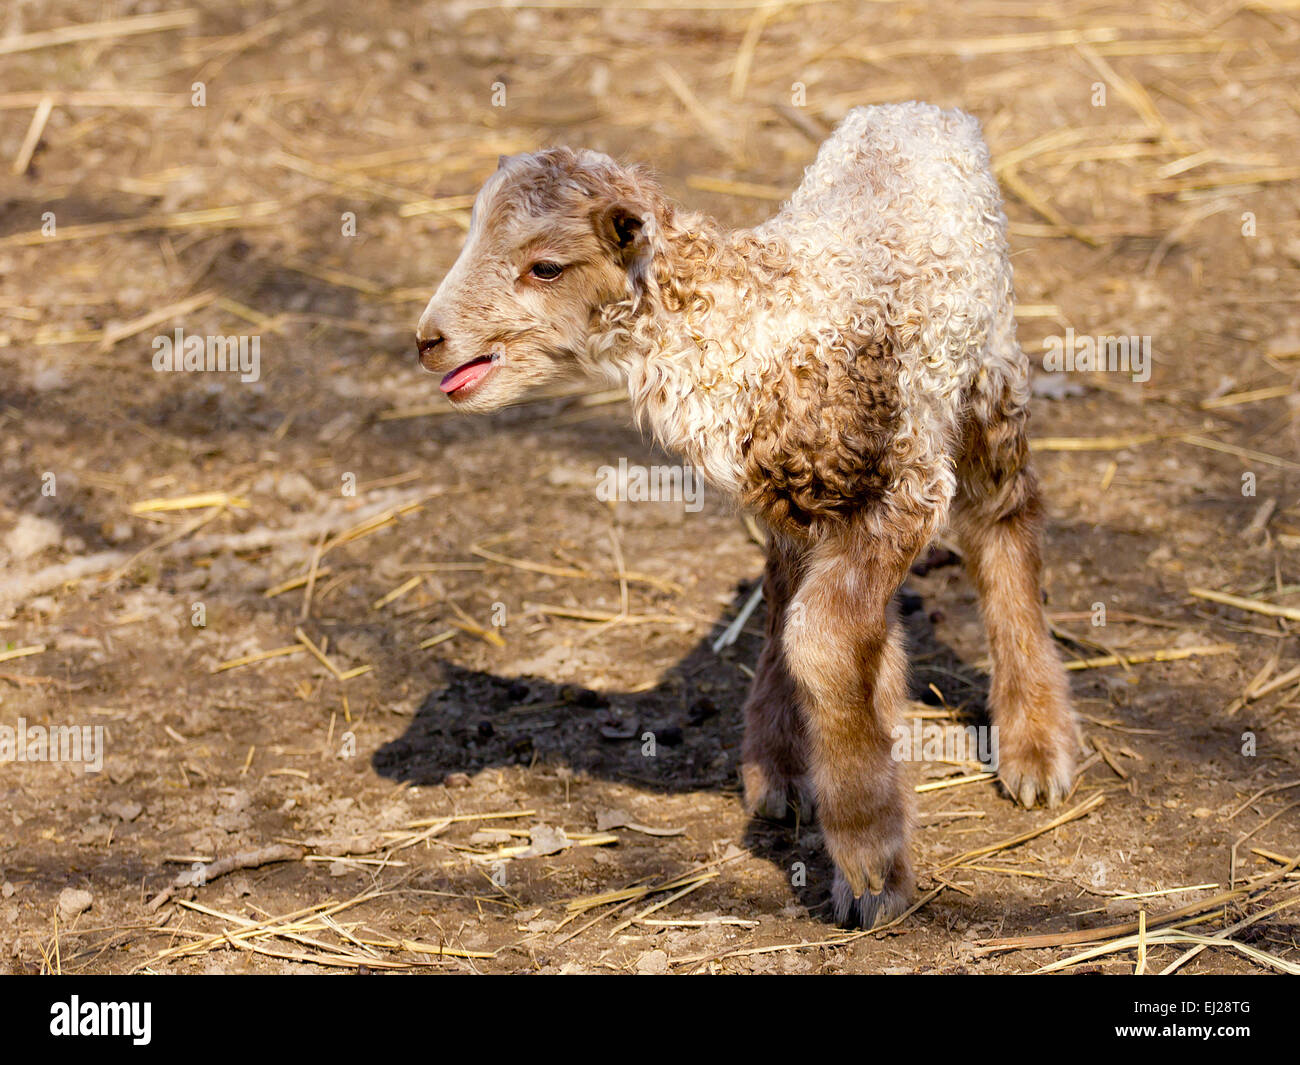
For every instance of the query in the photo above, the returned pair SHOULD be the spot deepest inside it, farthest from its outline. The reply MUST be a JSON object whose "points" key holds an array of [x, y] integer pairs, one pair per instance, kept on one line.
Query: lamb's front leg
{"points": [[845, 652], [774, 755]]}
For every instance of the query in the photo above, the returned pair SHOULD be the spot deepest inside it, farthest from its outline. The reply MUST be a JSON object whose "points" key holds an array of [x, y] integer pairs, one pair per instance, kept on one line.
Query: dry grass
{"points": [[1127, 217]]}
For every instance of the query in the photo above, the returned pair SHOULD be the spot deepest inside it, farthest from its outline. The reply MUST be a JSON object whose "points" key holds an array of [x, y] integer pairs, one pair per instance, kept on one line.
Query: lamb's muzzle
{"points": [[849, 371]]}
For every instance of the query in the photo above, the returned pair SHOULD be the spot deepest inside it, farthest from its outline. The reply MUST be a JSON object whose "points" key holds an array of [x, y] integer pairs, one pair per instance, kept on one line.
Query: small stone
{"points": [[619, 729], [584, 697], [74, 901], [237, 800], [544, 840], [653, 963], [456, 780], [125, 811], [1054, 386], [607, 819], [31, 535], [669, 736]]}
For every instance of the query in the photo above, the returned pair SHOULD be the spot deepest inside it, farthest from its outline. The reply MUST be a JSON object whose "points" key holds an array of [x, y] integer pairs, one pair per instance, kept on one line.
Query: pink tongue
{"points": [[468, 374]]}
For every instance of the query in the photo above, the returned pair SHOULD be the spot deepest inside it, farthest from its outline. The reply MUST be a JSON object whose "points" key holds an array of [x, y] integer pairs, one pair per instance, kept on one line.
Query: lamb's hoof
{"points": [[775, 797], [1039, 775], [889, 900]]}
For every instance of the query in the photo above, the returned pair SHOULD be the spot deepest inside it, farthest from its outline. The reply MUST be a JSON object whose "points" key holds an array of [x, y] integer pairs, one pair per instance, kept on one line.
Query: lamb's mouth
{"points": [[468, 375]]}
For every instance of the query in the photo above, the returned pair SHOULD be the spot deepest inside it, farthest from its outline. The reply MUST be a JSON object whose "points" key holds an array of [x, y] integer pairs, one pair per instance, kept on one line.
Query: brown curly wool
{"points": [[818, 446]]}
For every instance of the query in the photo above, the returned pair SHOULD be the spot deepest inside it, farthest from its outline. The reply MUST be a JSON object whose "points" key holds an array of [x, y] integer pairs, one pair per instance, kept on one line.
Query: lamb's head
{"points": [[557, 253]]}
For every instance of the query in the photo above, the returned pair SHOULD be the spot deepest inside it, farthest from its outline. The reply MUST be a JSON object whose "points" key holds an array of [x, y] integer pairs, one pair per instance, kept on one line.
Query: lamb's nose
{"points": [[428, 349]]}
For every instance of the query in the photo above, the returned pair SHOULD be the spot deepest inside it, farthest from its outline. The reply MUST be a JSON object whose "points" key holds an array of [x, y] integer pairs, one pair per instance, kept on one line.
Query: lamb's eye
{"points": [[545, 271]]}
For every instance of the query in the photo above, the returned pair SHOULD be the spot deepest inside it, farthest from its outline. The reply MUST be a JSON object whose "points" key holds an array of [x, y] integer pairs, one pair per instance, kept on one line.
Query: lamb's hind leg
{"points": [[997, 517], [845, 653], [773, 752]]}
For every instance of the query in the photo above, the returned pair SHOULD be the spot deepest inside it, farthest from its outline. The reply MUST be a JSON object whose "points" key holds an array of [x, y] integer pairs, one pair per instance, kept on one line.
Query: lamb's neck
{"points": [[690, 380]]}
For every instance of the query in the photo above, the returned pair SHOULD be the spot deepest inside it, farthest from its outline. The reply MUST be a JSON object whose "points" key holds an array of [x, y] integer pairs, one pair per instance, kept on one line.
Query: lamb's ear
{"points": [[621, 224], [504, 161]]}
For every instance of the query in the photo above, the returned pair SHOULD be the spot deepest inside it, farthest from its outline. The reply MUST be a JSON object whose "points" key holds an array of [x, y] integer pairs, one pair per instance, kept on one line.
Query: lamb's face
{"points": [[551, 242]]}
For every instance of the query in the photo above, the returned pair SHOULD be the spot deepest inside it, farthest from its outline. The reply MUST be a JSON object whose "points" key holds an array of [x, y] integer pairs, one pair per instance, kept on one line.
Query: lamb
{"points": [[848, 371]]}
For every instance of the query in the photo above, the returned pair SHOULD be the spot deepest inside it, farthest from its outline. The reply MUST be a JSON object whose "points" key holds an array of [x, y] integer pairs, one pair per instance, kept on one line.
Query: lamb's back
{"points": [[901, 169], [899, 222]]}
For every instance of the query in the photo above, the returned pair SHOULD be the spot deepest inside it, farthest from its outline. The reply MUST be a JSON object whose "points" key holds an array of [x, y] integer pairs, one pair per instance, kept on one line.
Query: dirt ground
{"points": [[489, 639]]}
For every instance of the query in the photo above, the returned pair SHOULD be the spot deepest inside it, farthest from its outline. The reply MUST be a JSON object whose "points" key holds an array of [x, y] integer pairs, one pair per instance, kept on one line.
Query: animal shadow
{"points": [[682, 735]]}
